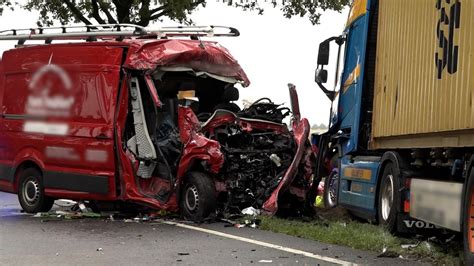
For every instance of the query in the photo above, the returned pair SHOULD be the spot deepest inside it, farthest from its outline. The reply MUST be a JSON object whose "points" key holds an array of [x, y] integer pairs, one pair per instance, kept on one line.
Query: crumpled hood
{"points": [[204, 56]]}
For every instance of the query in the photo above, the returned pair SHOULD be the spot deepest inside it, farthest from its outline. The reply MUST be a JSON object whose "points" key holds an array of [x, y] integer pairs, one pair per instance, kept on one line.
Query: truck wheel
{"points": [[468, 221], [198, 197], [331, 189], [388, 198], [31, 192]]}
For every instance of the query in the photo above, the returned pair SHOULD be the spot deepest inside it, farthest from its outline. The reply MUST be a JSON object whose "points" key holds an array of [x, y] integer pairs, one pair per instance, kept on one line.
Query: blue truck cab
{"points": [[347, 137]]}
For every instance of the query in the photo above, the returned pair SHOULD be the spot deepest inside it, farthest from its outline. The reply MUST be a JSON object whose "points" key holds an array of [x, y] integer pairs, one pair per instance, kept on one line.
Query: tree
{"points": [[321, 126], [6, 4], [290, 8], [142, 12]]}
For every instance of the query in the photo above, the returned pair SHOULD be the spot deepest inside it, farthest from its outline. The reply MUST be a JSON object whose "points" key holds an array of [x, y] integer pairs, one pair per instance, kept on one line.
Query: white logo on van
{"points": [[50, 92]]}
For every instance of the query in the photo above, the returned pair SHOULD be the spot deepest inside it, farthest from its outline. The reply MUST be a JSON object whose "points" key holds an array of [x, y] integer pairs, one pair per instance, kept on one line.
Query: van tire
{"points": [[389, 198], [198, 197], [31, 192], [468, 222]]}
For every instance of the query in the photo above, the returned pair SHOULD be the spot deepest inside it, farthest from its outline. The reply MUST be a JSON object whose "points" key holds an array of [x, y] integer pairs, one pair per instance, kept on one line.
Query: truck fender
{"points": [[395, 158]]}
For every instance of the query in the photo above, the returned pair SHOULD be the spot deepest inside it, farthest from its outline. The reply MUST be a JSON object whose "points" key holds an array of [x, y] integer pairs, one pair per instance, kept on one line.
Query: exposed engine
{"points": [[256, 160], [265, 109]]}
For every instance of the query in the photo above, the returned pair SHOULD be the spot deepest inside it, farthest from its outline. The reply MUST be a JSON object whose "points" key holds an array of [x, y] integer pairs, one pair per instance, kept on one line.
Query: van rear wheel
{"points": [[31, 192], [198, 197]]}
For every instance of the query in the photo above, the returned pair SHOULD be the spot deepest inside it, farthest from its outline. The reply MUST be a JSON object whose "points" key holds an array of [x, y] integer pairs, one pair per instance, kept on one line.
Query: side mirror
{"points": [[321, 76], [323, 54]]}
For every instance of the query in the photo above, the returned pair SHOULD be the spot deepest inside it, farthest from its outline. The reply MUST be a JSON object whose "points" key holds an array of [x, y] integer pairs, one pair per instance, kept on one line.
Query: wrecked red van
{"points": [[147, 119]]}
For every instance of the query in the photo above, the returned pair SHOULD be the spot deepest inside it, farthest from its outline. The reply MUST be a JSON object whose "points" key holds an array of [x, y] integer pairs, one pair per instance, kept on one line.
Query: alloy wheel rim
{"points": [[387, 197]]}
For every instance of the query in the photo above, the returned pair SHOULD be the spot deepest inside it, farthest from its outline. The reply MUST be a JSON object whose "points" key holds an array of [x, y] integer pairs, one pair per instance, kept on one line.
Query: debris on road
{"points": [[250, 211], [67, 215], [265, 261], [83, 207], [388, 254], [99, 249], [408, 246], [427, 245]]}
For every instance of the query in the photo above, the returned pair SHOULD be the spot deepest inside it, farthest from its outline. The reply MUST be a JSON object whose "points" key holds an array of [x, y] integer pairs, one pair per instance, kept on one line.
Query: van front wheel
{"points": [[31, 192], [198, 199]]}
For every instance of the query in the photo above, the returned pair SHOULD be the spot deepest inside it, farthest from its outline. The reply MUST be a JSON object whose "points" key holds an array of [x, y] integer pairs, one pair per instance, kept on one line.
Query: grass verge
{"points": [[364, 236]]}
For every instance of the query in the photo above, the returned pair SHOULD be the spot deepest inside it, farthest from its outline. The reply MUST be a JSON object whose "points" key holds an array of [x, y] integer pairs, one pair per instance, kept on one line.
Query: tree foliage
{"points": [[321, 126], [140, 12], [6, 4], [311, 8], [143, 12]]}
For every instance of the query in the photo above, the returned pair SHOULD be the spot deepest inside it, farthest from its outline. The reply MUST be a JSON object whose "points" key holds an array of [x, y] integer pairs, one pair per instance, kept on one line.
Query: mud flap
{"points": [[141, 143], [409, 225]]}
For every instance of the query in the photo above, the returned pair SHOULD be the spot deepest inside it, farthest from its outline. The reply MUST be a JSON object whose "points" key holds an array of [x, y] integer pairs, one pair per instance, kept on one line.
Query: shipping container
{"points": [[424, 78]]}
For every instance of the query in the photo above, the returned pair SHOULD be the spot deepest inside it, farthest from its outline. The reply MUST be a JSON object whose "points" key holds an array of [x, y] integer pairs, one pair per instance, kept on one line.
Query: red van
{"points": [[146, 117]]}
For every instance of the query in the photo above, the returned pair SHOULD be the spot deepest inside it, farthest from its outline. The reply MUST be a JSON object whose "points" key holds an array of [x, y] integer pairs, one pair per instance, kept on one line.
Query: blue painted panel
{"points": [[358, 191], [350, 98]]}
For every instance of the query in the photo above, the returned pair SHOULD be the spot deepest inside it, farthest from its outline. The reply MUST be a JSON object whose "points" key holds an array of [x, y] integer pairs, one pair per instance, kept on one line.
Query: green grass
{"points": [[362, 236]]}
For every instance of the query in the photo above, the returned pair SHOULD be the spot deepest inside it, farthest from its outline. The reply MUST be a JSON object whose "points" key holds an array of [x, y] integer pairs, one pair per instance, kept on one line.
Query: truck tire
{"points": [[331, 189], [468, 221], [31, 192], [198, 197], [389, 198]]}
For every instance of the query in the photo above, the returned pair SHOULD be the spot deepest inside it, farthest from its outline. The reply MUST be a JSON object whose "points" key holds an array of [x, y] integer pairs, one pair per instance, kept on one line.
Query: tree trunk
{"points": [[123, 10]]}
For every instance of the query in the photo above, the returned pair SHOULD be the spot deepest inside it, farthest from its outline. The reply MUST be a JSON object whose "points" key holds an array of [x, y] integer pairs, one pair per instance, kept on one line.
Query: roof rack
{"points": [[113, 31]]}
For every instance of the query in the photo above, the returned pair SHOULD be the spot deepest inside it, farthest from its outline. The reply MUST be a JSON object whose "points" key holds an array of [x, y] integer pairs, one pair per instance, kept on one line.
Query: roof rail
{"points": [[115, 31]]}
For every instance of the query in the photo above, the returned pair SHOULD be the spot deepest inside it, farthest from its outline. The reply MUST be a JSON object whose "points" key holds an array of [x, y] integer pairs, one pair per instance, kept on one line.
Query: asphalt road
{"points": [[25, 239]]}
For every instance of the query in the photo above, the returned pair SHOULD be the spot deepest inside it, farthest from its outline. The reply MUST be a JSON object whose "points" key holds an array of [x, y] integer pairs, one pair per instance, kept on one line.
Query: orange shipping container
{"points": [[424, 79]]}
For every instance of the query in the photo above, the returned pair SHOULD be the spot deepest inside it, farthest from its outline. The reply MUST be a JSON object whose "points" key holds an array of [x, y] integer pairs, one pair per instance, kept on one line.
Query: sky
{"points": [[272, 50]]}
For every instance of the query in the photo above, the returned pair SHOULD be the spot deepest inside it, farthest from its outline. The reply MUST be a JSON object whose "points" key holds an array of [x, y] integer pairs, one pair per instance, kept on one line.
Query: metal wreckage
{"points": [[231, 158], [161, 110]]}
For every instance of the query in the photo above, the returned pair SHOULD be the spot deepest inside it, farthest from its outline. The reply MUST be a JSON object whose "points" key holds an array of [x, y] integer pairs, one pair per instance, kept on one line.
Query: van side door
{"points": [[63, 100]]}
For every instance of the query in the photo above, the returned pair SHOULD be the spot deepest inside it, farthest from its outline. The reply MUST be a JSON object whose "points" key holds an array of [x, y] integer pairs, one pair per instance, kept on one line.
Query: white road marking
{"points": [[261, 243]]}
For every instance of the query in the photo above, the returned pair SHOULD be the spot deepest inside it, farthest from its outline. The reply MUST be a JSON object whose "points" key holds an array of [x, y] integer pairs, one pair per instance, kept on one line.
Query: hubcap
{"points": [[387, 197], [192, 198], [31, 191], [333, 187]]}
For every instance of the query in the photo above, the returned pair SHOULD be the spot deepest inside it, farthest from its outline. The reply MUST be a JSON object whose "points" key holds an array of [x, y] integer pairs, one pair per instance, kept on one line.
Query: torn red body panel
{"points": [[302, 161], [198, 55], [132, 121], [301, 133], [196, 146]]}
